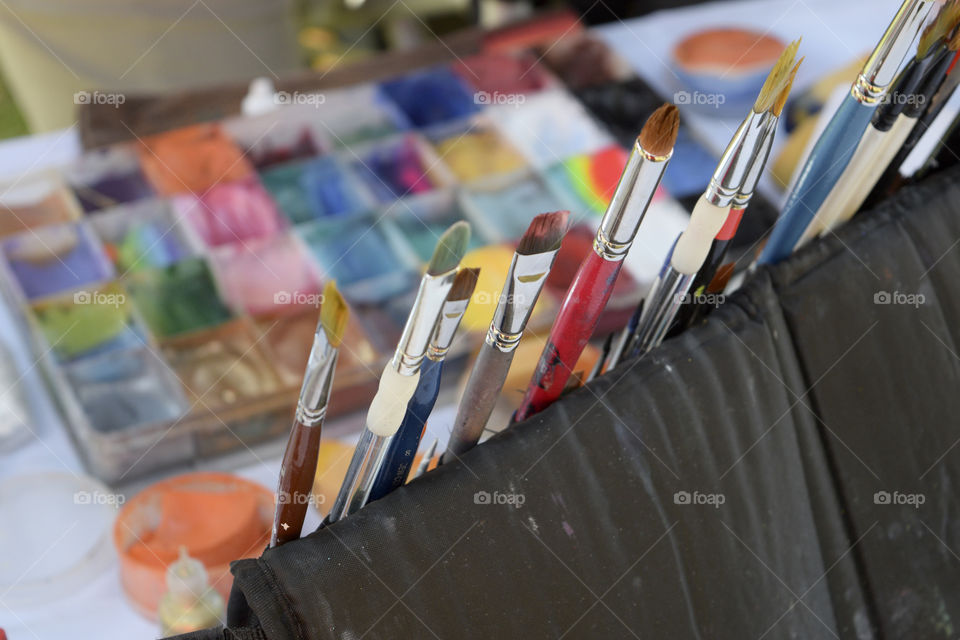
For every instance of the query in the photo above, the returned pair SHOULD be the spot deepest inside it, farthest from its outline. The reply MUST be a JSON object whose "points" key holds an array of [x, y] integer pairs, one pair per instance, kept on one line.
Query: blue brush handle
{"points": [[403, 447], [823, 168]]}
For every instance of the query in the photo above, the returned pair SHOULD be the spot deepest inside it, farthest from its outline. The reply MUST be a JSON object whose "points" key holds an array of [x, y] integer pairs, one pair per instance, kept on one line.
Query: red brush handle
{"points": [[297, 470], [586, 299]]}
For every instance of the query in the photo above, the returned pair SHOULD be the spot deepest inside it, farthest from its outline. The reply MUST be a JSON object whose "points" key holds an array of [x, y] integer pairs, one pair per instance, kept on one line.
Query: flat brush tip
{"points": [[545, 233], [777, 78], [450, 248], [333, 314], [464, 284], [659, 134]]}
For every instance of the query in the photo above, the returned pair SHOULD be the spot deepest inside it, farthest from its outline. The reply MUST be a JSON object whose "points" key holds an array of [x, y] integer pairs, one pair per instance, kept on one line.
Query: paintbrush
{"points": [[300, 458], [670, 290], [836, 145], [889, 126], [531, 263], [926, 103], [891, 179], [693, 311], [590, 290], [402, 373], [403, 445]]}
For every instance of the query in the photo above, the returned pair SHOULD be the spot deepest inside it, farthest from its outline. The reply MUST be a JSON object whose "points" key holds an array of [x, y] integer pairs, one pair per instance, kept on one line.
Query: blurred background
{"points": [[50, 50]]}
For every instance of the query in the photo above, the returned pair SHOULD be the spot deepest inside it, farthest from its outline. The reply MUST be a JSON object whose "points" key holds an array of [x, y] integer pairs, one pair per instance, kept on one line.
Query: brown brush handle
{"points": [[479, 398], [296, 483]]}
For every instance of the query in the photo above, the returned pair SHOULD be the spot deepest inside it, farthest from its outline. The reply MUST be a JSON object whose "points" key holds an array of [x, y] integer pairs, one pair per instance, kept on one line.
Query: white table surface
{"points": [[99, 610]]}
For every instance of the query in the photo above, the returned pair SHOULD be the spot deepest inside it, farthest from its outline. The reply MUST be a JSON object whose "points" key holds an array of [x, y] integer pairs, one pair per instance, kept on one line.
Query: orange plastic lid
{"points": [[218, 517], [727, 50]]}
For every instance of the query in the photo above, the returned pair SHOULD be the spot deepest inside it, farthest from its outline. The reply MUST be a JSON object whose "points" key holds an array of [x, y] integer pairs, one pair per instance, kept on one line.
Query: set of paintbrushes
{"points": [[410, 382], [889, 108]]}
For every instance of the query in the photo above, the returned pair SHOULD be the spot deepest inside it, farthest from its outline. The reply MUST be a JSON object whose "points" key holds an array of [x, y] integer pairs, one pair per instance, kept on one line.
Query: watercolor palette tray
{"points": [[171, 286]]}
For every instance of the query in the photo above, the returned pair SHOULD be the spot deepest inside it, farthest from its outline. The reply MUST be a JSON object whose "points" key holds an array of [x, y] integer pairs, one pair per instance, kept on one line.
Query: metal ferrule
{"points": [[423, 317], [317, 381], [524, 282], [446, 328], [755, 170], [669, 293], [355, 490], [638, 183], [881, 68], [736, 160]]}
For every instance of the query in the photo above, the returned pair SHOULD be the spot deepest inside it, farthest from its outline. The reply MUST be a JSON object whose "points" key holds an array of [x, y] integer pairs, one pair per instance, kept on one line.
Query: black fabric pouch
{"points": [[785, 470]]}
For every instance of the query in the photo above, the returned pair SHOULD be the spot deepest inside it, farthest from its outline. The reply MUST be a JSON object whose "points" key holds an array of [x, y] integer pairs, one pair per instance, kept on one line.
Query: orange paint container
{"points": [[216, 516]]}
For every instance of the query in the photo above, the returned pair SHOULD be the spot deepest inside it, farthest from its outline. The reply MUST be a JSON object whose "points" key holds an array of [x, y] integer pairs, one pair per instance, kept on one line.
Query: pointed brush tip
{"points": [[777, 78], [781, 100]]}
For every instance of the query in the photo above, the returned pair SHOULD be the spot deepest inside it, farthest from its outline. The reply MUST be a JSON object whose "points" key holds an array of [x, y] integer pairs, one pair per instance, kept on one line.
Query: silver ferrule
{"points": [[446, 328], [317, 381], [666, 296], [366, 462], [421, 321], [736, 160], [882, 65], [524, 283], [755, 170], [638, 183]]}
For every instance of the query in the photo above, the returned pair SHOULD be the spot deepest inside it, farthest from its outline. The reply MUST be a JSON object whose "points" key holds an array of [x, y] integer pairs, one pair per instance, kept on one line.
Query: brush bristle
{"points": [[464, 284], [545, 233], [785, 92], [778, 77], [333, 314], [450, 249], [939, 28], [659, 134]]}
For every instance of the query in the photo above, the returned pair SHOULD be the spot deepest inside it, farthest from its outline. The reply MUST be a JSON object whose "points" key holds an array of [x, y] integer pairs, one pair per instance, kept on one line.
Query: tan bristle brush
{"points": [[300, 458], [711, 209], [661, 306], [531, 263], [690, 314]]}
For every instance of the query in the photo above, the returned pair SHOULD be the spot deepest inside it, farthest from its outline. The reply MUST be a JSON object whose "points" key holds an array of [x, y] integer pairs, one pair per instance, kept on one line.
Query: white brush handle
{"points": [[882, 158], [826, 216], [694, 243], [390, 404], [839, 197]]}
